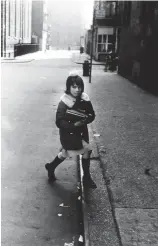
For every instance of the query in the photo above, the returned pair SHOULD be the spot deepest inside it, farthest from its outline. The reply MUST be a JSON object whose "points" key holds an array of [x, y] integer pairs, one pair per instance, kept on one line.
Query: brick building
{"points": [[138, 48]]}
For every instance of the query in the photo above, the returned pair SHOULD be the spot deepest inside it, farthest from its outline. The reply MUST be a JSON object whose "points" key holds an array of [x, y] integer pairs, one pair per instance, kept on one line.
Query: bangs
{"points": [[74, 80], [77, 81]]}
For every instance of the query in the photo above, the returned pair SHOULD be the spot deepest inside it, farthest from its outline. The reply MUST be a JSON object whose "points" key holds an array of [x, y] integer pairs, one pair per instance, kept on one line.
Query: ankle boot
{"points": [[50, 167], [87, 179]]}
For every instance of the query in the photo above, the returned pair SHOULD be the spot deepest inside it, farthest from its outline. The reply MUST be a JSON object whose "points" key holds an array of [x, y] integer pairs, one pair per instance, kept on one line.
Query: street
{"points": [[123, 210], [30, 206]]}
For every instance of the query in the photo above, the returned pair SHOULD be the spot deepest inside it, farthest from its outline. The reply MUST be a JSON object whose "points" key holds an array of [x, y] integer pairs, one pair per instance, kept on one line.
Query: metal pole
{"points": [[92, 46]]}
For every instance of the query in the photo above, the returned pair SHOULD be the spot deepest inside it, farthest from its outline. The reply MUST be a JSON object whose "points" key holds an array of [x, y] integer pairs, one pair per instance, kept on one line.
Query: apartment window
{"points": [[99, 47], [104, 38], [109, 47], [105, 43], [101, 43], [99, 38], [110, 38], [110, 8]]}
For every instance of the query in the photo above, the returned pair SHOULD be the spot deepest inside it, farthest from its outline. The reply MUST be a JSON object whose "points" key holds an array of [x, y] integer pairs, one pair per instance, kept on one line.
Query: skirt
{"points": [[72, 153]]}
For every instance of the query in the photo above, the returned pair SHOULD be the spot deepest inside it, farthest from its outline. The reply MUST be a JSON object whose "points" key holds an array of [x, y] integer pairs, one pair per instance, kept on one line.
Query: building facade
{"points": [[37, 19], [88, 40], [46, 27], [138, 48], [21, 26], [106, 25], [15, 24]]}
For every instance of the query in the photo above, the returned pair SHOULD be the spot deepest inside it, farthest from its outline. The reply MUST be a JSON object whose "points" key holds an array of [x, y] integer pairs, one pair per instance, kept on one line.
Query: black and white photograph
{"points": [[79, 123]]}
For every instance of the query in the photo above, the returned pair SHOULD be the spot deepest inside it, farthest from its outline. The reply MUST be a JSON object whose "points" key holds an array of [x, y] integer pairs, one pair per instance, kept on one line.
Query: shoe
{"points": [[89, 183], [51, 175]]}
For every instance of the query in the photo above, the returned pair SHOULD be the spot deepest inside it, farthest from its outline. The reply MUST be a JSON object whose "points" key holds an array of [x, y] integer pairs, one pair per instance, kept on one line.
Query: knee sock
{"points": [[56, 162]]}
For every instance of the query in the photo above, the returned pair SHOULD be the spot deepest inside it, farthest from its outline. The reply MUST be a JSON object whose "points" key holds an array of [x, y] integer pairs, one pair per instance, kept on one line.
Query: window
{"points": [[100, 43], [106, 43], [99, 38], [103, 47], [110, 8], [110, 47], [104, 38], [110, 38], [99, 47]]}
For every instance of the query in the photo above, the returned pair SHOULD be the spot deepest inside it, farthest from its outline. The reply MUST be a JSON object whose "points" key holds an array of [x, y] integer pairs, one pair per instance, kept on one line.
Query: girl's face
{"points": [[75, 90]]}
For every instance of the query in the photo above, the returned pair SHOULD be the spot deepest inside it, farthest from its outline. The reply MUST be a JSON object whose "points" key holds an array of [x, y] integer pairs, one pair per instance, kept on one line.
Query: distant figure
{"points": [[73, 131], [81, 49], [112, 60], [69, 48]]}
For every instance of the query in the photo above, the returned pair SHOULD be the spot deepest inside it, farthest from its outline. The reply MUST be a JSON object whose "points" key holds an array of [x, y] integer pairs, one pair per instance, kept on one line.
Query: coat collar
{"points": [[70, 101]]}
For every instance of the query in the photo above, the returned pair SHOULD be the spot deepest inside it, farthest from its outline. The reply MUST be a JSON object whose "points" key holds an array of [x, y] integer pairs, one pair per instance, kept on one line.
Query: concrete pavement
{"points": [[30, 206], [74, 55], [123, 210], [42, 55]]}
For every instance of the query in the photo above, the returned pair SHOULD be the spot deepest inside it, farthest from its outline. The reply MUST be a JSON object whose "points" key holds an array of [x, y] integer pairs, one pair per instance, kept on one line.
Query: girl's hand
{"points": [[79, 123]]}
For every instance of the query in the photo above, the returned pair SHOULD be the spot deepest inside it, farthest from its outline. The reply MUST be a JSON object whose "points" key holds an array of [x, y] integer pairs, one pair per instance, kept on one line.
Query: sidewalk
{"points": [[74, 55], [20, 59], [41, 55], [123, 210], [80, 58]]}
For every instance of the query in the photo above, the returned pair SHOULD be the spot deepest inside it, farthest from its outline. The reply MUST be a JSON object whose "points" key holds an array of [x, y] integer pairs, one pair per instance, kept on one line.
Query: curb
{"points": [[98, 64], [107, 184], [84, 208], [16, 61], [86, 225]]}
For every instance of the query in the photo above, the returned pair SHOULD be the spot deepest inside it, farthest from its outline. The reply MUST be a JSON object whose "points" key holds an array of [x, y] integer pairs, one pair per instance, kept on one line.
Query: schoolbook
{"points": [[75, 115]]}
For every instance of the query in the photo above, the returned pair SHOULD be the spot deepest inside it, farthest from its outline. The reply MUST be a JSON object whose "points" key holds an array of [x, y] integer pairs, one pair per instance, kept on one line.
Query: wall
{"points": [[138, 49], [37, 18], [17, 24], [105, 30], [88, 41]]}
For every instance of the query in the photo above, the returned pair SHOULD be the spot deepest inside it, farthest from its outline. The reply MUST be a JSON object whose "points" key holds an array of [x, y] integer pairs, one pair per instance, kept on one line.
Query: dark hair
{"points": [[71, 80]]}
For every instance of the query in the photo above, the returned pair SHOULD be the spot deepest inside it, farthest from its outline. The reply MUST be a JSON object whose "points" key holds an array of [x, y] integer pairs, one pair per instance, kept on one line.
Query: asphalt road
{"points": [[125, 130], [30, 206]]}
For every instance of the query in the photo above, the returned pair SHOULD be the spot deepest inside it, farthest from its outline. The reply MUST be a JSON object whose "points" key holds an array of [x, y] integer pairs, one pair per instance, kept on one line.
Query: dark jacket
{"points": [[67, 127]]}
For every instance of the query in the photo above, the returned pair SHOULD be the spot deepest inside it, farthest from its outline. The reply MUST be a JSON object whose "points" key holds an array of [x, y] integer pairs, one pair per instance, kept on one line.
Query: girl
{"points": [[74, 136]]}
